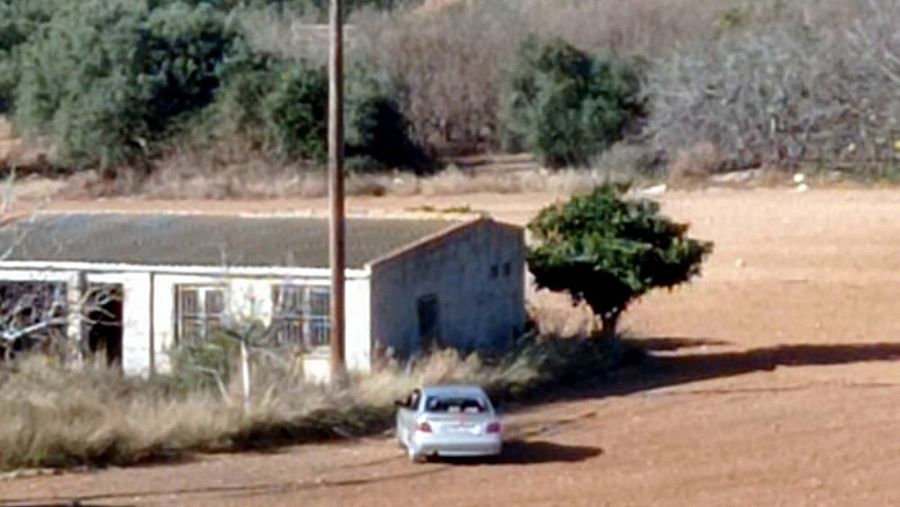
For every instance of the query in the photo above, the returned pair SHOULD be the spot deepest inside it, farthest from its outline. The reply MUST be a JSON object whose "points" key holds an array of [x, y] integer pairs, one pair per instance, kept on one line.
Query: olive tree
{"points": [[605, 250]]}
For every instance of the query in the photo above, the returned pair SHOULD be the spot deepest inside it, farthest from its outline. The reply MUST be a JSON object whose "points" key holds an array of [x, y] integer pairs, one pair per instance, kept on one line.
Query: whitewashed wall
{"points": [[358, 319], [251, 298], [476, 310]]}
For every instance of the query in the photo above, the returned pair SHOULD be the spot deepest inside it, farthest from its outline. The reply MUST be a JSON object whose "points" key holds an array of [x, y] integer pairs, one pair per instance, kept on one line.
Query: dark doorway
{"points": [[102, 322], [429, 320]]}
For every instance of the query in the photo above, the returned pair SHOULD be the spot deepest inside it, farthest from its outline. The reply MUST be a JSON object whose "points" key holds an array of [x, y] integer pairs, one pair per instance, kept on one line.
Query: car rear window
{"points": [[453, 404]]}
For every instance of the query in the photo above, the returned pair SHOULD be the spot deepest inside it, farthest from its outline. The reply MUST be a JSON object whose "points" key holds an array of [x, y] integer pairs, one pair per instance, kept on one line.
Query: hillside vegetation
{"points": [[636, 88]]}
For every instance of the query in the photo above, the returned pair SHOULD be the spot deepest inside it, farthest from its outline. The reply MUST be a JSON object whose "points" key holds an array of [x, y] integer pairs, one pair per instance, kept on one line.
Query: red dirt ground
{"points": [[775, 384]]}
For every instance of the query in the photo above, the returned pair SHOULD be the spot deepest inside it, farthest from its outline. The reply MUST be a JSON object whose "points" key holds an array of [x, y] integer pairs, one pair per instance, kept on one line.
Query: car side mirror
{"points": [[400, 403]]}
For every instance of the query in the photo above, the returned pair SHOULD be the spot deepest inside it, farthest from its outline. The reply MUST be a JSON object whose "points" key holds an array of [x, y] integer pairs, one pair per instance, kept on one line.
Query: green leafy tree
{"points": [[19, 21], [296, 111], [107, 80], [606, 250], [566, 105], [282, 106]]}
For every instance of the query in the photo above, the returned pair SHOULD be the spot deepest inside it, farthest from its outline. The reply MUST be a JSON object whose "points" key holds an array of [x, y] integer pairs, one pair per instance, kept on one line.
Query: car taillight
{"points": [[424, 427], [493, 427]]}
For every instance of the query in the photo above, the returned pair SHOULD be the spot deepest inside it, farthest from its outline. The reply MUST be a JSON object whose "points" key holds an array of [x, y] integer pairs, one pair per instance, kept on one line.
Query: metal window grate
{"points": [[301, 316], [201, 311]]}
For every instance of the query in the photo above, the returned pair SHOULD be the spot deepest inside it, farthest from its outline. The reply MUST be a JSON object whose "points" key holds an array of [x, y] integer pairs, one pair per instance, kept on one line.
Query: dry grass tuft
{"points": [[56, 417], [185, 175], [698, 161]]}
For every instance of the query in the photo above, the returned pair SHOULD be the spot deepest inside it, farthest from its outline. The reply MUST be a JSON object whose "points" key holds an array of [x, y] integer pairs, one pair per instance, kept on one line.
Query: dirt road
{"points": [[774, 383]]}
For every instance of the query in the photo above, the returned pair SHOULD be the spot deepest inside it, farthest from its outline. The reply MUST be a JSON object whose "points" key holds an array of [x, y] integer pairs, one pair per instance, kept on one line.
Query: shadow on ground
{"points": [[656, 371], [525, 452]]}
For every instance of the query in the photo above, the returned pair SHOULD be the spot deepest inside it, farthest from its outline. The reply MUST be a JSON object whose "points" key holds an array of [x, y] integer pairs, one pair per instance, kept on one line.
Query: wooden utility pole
{"points": [[336, 185]]}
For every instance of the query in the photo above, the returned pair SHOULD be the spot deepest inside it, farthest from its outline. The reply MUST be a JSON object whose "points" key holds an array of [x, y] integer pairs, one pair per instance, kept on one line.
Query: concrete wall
{"points": [[478, 310], [250, 298], [149, 314]]}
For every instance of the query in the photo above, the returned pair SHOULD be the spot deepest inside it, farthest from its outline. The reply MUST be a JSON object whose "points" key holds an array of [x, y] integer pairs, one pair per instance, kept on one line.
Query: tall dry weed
{"points": [[52, 416]]}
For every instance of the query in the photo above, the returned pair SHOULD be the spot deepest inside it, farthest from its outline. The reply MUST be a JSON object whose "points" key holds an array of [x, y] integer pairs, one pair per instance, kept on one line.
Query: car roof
{"points": [[453, 390]]}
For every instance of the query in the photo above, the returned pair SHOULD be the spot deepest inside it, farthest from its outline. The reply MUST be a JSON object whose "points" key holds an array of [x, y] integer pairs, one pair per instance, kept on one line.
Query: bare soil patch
{"points": [[774, 382]]}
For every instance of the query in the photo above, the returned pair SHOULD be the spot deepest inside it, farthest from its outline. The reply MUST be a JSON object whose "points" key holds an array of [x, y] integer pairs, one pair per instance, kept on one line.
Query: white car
{"points": [[450, 421]]}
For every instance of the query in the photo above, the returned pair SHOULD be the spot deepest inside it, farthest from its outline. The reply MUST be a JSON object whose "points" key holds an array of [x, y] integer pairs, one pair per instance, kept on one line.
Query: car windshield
{"points": [[455, 404]]}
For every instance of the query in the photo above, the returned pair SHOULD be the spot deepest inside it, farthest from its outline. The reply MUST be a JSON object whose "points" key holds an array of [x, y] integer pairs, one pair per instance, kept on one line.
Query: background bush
{"points": [[106, 80], [790, 92], [727, 83], [449, 65], [566, 105], [378, 135], [19, 20], [295, 111], [280, 107]]}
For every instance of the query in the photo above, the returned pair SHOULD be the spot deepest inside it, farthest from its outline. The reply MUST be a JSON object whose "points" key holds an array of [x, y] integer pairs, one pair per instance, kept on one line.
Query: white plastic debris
{"points": [[655, 190]]}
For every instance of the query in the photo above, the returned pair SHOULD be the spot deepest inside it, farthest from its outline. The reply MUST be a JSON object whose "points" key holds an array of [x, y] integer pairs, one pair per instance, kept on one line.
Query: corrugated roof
{"points": [[197, 240]]}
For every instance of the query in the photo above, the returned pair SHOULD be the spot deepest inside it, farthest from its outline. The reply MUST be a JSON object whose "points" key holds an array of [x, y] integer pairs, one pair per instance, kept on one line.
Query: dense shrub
{"points": [[238, 112], [19, 20], [205, 365], [8, 72], [376, 129], [107, 79], [566, 105], [791, 92], [9, 39], [295, 111], [281, 107], [452, 61]]}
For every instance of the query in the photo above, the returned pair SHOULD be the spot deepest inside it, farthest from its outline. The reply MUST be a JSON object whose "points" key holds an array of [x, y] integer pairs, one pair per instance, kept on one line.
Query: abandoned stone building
{"points": [[153, 282]]}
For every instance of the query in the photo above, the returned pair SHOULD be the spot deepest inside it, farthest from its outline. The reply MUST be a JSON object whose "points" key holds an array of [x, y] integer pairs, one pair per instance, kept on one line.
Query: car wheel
{"points": [[415, 457], [398, 435]]}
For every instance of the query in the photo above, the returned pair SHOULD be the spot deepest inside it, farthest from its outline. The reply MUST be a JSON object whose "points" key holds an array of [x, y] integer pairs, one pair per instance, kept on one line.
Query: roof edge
{"points": [[307, 213], [437, 237], [225, 271]]}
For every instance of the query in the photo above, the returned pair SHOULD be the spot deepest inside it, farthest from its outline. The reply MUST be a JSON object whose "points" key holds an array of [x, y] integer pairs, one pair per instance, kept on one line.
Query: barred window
{"points": [[301, 315], [36, 310], [200, 312], [318, 317]]}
